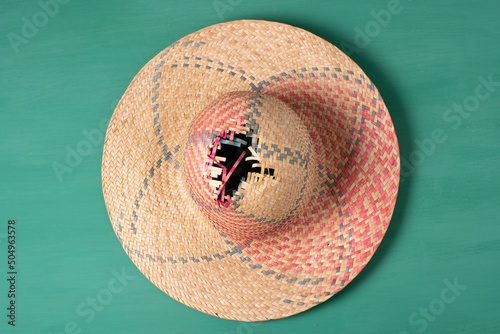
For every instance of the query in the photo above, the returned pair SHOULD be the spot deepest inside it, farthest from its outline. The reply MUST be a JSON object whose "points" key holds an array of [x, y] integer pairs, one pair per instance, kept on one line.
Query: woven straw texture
{"points": [[322, 127], [280, 142]]}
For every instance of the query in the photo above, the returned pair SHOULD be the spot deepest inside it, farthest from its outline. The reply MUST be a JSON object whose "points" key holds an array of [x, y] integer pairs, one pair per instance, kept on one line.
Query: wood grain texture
{"points": [[430, 60]]}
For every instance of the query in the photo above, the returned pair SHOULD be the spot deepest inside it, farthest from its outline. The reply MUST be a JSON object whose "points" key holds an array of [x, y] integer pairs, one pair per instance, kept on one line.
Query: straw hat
{"points": [[250, 170]]}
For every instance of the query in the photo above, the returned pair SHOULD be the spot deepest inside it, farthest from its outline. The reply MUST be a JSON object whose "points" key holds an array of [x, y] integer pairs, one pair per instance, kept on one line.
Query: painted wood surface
{"points": [[65, 64]]}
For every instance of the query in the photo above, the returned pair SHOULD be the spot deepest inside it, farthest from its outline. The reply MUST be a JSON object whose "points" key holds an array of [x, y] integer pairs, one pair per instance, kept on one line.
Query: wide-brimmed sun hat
{"points": [[250, 170]]}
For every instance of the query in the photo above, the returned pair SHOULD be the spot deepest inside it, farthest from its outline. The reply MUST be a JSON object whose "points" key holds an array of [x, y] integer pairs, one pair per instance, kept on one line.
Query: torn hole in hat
{"points": [[236, 161]]}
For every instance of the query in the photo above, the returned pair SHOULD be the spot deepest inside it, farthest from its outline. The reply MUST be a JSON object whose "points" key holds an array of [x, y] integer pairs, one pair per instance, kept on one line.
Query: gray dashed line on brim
{"points": [[169, 155], [233, 251]]}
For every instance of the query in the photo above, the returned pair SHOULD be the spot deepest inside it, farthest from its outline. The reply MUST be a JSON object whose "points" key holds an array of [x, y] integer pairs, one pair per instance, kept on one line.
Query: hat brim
{"points": [[168, 237]]}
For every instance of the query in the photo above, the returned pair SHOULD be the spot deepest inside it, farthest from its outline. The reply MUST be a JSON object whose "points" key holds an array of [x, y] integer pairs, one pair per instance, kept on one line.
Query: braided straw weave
{"points": [[308, 216]]}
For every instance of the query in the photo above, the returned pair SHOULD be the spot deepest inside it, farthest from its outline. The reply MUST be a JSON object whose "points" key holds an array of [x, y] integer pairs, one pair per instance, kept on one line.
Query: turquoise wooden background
{"points": [[63, 67]]}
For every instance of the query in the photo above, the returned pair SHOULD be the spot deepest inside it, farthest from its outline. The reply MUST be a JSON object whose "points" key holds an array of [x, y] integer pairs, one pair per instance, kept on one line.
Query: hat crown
{"points": [[246, 164]]}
